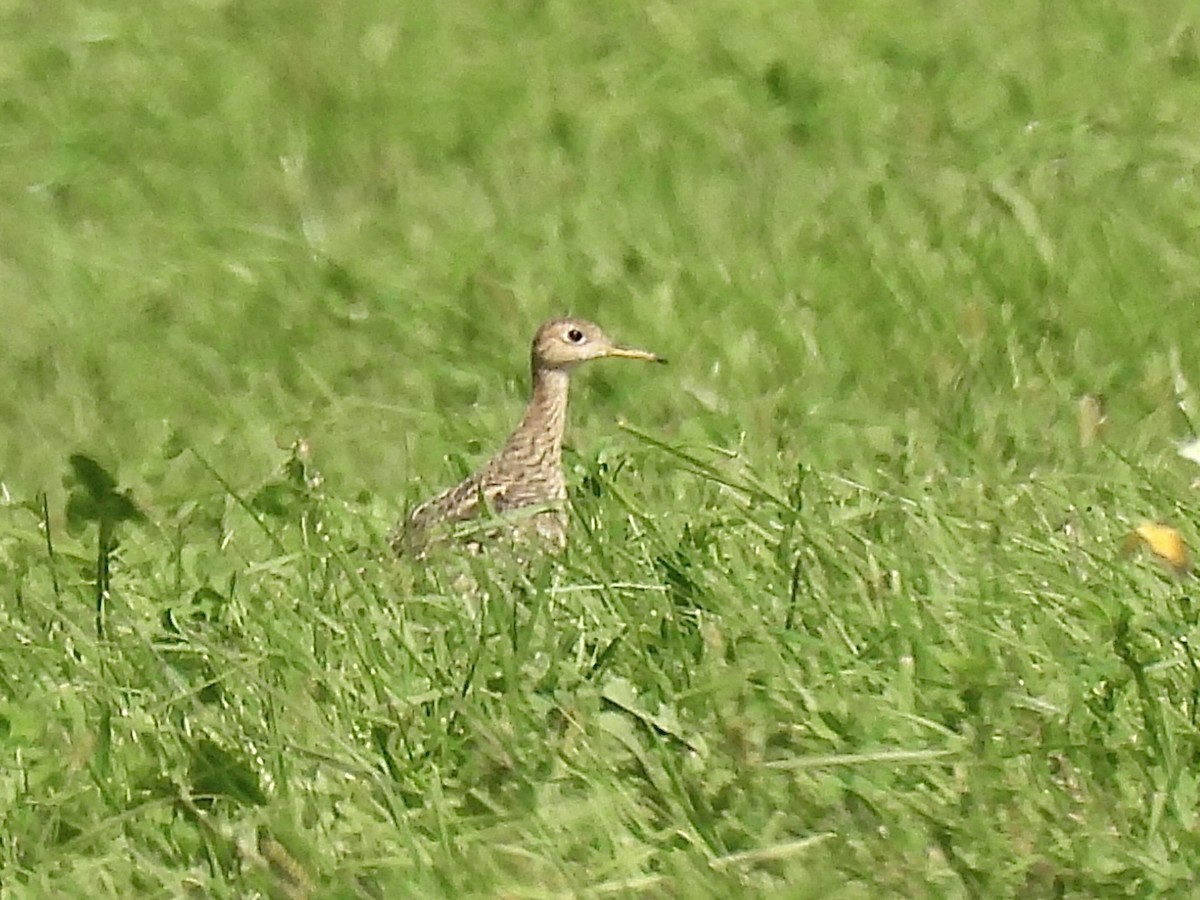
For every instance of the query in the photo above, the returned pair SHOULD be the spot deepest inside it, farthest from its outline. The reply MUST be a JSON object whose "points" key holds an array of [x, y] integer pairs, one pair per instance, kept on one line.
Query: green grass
{"points": [[844, 612]]}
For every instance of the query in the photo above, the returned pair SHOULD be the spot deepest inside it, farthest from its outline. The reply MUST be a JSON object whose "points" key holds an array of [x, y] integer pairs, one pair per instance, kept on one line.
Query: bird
{"points": [[521, 491]]}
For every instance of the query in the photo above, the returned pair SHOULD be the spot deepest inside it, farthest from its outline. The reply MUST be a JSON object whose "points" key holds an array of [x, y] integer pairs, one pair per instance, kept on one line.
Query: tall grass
{"points": [[843, 612]]}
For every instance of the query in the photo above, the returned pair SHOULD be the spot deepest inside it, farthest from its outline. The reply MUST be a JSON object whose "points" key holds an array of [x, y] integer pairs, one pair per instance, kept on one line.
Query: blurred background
{"points": [[856, 229]]}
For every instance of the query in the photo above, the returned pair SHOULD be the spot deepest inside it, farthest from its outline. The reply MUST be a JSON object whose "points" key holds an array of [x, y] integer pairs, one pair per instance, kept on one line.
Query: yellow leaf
{"points": [[1164, 542]]}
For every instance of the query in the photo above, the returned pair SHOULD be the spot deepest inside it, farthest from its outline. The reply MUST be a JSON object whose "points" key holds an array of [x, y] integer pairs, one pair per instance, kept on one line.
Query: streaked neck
{"points": [[546, 416]]}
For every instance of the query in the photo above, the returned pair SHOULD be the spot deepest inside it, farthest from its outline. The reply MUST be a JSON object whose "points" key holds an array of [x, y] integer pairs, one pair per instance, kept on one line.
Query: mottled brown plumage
{"points": [[521, 489]]}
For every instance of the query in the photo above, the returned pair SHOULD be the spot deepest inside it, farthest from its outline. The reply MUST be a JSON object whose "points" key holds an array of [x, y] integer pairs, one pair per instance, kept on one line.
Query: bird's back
{"points": [[520, 492]]}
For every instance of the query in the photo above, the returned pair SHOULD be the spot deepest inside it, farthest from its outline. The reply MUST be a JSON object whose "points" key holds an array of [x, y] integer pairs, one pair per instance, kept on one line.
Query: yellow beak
{"points": [[632, 353]]}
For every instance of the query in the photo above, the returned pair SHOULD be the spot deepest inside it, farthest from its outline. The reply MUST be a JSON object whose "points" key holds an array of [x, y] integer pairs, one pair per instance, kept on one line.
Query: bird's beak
{"points": [[632, 353]]}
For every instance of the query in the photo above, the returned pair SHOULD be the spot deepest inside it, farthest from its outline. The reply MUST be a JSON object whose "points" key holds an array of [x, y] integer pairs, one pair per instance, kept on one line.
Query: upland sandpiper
{"points": [[521, 490]]}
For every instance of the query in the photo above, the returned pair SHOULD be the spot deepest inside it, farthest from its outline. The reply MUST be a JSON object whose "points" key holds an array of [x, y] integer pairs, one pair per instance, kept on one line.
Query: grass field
{"points": [[844, 613]]}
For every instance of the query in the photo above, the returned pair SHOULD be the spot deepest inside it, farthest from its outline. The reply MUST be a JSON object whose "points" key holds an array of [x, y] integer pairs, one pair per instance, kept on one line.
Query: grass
{"points": [[844, 612]]}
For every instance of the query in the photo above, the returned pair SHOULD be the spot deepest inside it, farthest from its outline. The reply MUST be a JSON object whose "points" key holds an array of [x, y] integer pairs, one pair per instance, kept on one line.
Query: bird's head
{"points": [[564, 343]]}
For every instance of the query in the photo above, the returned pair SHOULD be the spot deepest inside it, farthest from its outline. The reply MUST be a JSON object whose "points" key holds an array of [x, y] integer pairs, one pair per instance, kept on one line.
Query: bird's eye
{"points": [[575, 336]]}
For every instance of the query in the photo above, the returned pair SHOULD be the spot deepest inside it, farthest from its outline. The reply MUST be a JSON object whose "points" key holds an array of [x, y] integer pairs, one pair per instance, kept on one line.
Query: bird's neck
{"points": [[545, 419]]}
